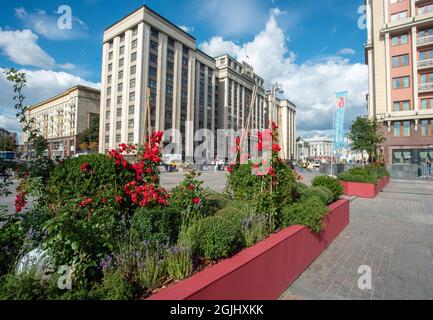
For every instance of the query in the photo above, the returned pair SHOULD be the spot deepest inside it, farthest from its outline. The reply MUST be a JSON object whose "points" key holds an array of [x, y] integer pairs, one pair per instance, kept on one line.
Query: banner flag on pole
{"points": [[340, 112]]}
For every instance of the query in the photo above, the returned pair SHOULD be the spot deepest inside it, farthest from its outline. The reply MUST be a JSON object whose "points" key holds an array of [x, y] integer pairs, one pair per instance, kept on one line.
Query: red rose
{"points": [[118, 199], [196, 200], [276, 148]]}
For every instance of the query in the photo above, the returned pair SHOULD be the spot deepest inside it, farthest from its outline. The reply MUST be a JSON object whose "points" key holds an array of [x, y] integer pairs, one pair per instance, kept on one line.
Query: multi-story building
{"points": [[302, 149], [399, 54], [148, 58], [320, 148], [286, 120], [5, 134], [62, 118]]}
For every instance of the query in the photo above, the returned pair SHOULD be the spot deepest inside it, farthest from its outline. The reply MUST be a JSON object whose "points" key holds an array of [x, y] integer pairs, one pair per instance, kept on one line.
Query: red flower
{"points": [[104, 200], [86, 202], [20, 202], [118, 199], [196, 200], [84, 167], [230, 169], [191, 187], [260, 146], [276, 148]]}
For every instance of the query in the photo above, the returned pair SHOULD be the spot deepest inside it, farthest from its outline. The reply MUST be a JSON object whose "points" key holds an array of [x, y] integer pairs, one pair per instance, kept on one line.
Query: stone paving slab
{"points": [[393, 234]]}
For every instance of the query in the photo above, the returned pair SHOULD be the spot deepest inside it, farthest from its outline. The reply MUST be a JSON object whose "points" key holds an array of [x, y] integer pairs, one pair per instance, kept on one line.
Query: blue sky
{"points": [[316, 42]]}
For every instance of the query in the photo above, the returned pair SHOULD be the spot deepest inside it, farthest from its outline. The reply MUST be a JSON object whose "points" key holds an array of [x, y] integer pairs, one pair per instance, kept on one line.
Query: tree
{"points": [[88, 139], [365, 136]]}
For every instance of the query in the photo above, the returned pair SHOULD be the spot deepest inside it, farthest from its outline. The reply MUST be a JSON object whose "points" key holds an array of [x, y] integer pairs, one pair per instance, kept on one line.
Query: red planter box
{"points": [[364, 190], [264, 271]]}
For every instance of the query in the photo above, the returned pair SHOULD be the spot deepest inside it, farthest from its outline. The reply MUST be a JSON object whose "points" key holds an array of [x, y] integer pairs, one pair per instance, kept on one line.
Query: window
{"points": [[131, 124], [170, 66], [134, 31], [152, 71], [120, 87], [110, 67], [118, 137], [121, 62], [401, 106], [426, 9], [131, 110], [398, 16], [122, 38], [118, 125], [121, 49], [134, 44], [133, 69], [132, 96], [402, 82], [153, 45], [153, 58], [425, 130], [406, 128], [400, 61], [108, 91], [132, 83], [134, 56], [130, 137], [107, 115], [170, 53], [152, 84], [107, 127], [119, 112], [402, 129], [426, 104], [120, 74], [110, 55], [108, 103], [119, 100], [107, 139], [109, 79]]}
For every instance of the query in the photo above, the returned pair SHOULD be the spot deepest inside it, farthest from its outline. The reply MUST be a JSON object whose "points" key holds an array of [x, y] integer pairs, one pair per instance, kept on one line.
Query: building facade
{"points": [[399, 54], [320, 148], [302, 150], [152, 67], [62, 118], [7, 135]]}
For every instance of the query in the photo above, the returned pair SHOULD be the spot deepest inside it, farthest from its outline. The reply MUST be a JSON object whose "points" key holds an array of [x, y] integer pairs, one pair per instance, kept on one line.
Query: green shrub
{"points": [[323, 193], [11, 242], [152, 272], [157, 225], [25, 286], [215, 201], [309, 212], [214, 238], [114, 287], [331, 183], [253, 225]]}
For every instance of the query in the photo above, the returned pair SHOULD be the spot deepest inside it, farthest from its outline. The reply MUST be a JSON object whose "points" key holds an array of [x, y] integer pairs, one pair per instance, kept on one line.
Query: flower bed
{"points": [[265, 270], [359, 189]]}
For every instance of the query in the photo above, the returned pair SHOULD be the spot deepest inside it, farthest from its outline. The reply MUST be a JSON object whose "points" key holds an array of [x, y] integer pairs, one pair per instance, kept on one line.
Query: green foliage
{"points": [[365, 136], [308, 212], [323, 193], [114, 287], [151, 274], [215, 201], [11, 242], [68, 183], [179, 263], [189, 198], [88, 139], [214, 238], [157, 225], [253, 225], [242, 184], [368, 174], [331, 184]]}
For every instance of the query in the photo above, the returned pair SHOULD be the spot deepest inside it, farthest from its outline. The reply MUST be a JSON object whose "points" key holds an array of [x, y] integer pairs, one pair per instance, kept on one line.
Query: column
{"points": [[415, 69], [113, 96], [177, 91], [103, 101], [141, 83], [388, 75], [189, 130], [161, 79], [126, 90]]}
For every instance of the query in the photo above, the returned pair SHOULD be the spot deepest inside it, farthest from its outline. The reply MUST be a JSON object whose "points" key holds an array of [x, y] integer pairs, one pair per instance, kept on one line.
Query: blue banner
{"points": [[339, 115]]}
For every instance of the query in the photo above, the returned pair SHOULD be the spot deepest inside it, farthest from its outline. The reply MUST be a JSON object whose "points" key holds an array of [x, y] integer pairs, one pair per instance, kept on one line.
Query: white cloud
{"points": [[346, 51], [41, 84], [187, 29], [310, 85], [21, 47], [46, 25]]}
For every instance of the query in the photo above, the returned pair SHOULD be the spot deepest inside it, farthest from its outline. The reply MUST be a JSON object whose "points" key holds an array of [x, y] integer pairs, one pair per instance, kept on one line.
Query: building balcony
{"points": [[426, 87], [424, 41], [425, 64]]}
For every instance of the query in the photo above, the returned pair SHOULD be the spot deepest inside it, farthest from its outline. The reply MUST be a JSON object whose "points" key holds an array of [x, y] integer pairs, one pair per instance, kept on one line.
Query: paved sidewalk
{"points": [[393, 234]]}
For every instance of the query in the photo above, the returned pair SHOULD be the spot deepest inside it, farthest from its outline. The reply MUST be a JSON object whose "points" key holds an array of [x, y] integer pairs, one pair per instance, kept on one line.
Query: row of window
{"points": [[403, 128], [406, 106]]}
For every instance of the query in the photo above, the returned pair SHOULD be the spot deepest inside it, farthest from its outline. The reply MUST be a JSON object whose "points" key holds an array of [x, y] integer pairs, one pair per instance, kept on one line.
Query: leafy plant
{"points": [[151, 274], [323, 193], [214, 238], [309, 212], [179, 262], [157, 225], [115, 286], [331, 183]]}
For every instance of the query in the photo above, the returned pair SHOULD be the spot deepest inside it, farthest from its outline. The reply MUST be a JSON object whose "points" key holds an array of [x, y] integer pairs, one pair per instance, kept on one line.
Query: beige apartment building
{"points": [[62, 118], [145, 55], [399, 54], [286, 120]]}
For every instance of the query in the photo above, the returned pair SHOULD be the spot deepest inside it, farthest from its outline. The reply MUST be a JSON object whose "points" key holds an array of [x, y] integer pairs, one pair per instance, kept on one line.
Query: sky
{"points": [[313, 48]]}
